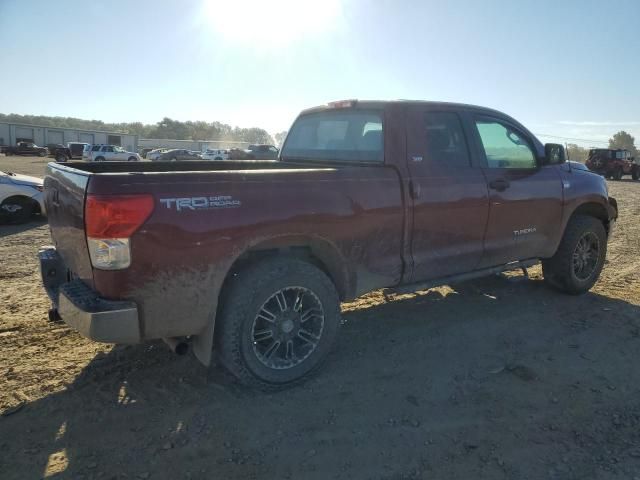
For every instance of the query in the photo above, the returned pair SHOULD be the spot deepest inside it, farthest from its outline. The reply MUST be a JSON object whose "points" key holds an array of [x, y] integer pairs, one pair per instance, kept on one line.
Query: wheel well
{"points": [[36, 205], [594, 210], [319, 255]]}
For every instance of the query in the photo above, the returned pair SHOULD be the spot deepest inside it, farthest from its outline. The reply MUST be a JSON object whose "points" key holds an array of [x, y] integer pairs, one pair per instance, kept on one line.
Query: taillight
{"points": [[109, 222]]}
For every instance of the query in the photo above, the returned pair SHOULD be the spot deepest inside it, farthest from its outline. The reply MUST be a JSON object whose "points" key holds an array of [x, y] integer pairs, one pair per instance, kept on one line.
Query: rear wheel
{"points": [[279, 320], [174, 159], [16, 210], [61, 158], [42, 154], [577, 264], [99, 159], [132, 159], [635, 172]]}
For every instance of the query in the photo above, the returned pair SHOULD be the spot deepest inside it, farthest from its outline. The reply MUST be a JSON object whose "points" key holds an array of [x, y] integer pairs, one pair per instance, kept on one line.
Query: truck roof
{"points": [[380, 104]]}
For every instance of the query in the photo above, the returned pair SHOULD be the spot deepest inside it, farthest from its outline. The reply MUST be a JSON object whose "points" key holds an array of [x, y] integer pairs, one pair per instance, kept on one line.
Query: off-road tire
{"points": [[559, 271], [22, 215], [617, 173], [242, 298]]}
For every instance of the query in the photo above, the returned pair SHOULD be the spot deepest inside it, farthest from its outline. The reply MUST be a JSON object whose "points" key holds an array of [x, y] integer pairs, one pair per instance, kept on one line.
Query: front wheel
{"points": [[577, 264], [42, 154], [635, 173], [61, 158], [278, 321], [132, 159]]}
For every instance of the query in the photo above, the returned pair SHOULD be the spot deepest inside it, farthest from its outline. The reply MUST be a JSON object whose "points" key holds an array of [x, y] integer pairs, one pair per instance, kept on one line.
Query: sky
{"points": [[567, 68]]}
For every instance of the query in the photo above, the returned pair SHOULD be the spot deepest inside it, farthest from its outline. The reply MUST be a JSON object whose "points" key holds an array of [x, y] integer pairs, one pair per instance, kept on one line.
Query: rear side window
{"points": [[504, 147], [336, 135], [444, 140], [95, 148]]}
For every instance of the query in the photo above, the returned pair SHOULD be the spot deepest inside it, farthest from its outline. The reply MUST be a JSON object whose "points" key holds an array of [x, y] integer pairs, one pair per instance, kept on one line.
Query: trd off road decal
{"points": [[200, 203]]}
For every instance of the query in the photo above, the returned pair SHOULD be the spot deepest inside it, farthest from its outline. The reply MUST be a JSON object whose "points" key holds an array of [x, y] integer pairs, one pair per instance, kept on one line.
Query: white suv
{"points": [[215, 154], [109, 153]]}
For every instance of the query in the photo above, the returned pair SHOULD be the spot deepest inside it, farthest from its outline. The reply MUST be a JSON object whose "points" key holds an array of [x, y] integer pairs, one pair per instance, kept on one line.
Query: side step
{"points": [[463, 277]]}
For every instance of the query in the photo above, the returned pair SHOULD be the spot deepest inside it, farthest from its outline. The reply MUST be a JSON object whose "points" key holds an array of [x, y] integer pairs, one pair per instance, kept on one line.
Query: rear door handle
{"points": [[414, 189], [499, 184]]}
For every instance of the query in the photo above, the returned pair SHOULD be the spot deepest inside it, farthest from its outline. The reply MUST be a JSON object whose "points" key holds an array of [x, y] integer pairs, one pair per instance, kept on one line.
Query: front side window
{"points": [[444, 140], [504, 147], [336, 135]]}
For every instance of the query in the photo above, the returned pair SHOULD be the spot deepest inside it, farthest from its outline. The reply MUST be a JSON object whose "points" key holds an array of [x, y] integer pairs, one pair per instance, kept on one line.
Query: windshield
{"points": [[336, 135]]}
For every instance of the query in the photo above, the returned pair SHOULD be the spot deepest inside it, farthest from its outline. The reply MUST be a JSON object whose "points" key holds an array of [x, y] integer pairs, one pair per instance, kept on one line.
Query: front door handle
{"points": [[499, 184]]}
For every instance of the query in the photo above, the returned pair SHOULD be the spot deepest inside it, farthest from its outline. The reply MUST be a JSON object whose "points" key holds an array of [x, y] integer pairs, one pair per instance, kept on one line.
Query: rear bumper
{"points": [[102, 320]]}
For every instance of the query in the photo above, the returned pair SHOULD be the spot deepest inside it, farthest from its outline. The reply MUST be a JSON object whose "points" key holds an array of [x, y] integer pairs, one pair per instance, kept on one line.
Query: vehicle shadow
{"points": [[7, 229], [497, 378]]}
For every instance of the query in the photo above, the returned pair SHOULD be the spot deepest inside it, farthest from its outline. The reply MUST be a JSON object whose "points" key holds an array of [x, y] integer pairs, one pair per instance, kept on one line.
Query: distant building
{"points": [[12, 133], [197, 145]]}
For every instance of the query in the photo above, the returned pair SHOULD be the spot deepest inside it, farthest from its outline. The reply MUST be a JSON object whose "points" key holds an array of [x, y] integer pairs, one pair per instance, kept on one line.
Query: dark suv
{"points": [[613, 163]]}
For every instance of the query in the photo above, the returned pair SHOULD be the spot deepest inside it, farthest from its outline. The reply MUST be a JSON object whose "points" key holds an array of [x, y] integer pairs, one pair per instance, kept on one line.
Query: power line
{"points": [[573, 139]]}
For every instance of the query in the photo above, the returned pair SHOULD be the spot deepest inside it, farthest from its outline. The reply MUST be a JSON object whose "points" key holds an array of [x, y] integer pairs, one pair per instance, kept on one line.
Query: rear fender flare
{"points": [[317, 250]]}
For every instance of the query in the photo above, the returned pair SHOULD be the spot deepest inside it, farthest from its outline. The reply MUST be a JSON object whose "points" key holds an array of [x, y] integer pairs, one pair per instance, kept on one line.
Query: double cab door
{"points": [[480, 196]]}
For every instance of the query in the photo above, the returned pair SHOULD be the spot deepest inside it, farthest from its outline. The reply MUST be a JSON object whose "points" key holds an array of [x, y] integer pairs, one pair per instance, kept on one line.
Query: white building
{"points": [[12, 133]]}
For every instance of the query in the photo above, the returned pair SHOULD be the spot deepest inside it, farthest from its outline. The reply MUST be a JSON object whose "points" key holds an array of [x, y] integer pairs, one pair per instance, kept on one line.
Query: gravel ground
{"points": [[496, 378]]}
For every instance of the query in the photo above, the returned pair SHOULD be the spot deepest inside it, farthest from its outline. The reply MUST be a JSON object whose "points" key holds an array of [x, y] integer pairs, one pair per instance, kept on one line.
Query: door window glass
{"points": [[444, 140], [504, 147]]}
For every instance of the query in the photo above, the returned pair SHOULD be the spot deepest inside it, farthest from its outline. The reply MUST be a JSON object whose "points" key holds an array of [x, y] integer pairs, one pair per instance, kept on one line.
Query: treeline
{"points": [[166, 128]]}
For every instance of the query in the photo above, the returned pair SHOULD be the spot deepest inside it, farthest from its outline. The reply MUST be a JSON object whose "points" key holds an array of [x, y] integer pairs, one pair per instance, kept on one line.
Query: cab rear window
{"points": [[336, 135]]}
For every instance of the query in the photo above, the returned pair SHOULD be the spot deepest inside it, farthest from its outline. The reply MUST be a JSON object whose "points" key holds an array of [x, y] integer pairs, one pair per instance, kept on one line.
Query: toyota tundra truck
{"points": [[249, 260]]}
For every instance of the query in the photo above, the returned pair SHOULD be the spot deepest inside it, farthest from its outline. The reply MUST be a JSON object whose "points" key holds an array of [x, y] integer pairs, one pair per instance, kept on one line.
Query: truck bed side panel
{"points": [[181, 255]]}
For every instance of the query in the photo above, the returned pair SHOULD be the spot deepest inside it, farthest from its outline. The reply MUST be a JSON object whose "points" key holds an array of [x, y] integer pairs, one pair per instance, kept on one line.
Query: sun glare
{"points": [[270, 23]]}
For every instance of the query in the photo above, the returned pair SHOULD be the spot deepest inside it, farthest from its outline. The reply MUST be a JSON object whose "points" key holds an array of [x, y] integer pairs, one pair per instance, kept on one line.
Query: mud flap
{"points": [[202, 344]]}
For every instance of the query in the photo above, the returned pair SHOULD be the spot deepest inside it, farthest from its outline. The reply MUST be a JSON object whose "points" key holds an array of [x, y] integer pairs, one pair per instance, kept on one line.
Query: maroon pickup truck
{"points": [[250, 259]]}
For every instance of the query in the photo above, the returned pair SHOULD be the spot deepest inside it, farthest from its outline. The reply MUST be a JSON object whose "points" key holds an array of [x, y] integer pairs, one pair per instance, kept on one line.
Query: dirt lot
{"points": [[498, 378]]}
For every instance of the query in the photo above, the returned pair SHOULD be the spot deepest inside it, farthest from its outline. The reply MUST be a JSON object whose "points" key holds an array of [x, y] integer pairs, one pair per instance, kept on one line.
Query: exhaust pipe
{"points": [[177, 345]]}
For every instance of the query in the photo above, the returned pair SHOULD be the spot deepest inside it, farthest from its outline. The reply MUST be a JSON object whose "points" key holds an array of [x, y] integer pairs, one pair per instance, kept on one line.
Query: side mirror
{"points": [[554, 154]]}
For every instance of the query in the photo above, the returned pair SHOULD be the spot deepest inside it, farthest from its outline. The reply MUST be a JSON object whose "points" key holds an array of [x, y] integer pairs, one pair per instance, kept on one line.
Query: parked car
{"points": [[73, 150], [263, 152], [155, 153], [145, 151], [24, 148], [178, 155], [109, 153], [20, 197], [239, 154], [613, 164], [251, 261], [215, 154]]}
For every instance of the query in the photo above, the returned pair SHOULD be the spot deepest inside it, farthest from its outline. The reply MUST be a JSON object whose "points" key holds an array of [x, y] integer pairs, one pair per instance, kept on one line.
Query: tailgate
{"points": [[64, 194]]}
